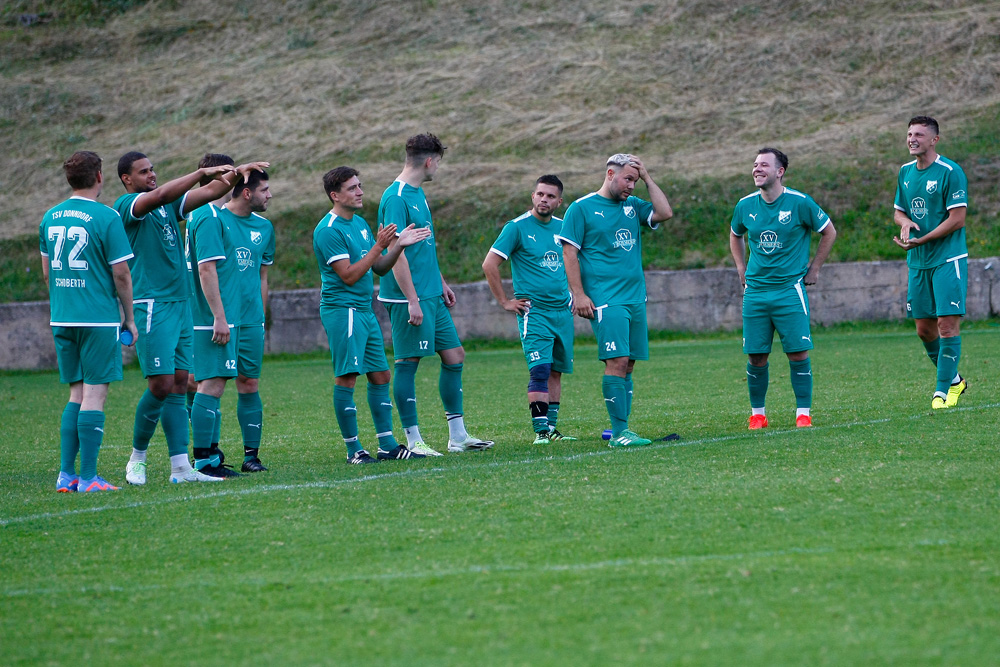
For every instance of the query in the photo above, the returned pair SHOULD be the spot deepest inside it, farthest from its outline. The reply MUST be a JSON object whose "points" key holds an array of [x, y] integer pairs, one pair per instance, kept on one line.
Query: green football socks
{"points": [[757, 379], [69, 438], [933, 349], [250, 415], [90, 430], [539, 416], [802, 382], [381, 409], [450, 387], [404, 391], [947, 366], [628, 394], [204, 414], [347, 417], [553, 414], [147, 415], [174, 418], [613, 388]]}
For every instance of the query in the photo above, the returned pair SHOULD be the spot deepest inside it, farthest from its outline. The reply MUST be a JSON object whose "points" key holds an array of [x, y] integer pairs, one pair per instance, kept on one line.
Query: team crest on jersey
{"points": [[244, 259], [624, 240], [768, 242], [629, 211], [918, 208], [256, 237], [784, 217], [931, 187], [364, 234], [958, 195], [168, 235], [551, 261]]}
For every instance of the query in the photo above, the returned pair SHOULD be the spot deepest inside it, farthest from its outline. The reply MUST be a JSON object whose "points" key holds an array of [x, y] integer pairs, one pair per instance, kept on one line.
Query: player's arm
{"points": [[352, 273], [491, 268], [412, 234], [45, 269], [954, 222], [582, 305], [220, 186], [209, 276], [123, 285], [175, 189], [738, 248], [263, 285], [447, 293], [826, 238], [401, 272], [661, 207]]}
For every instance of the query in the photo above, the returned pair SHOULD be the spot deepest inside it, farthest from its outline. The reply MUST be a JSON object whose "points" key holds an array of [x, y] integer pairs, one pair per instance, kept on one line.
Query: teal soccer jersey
{"points": [[535, 260], [254, 239], [335, 239], [779, 236], [82, 240], [208, 239], [403, 205], [927, 196], [607, 234], [158, 268]]}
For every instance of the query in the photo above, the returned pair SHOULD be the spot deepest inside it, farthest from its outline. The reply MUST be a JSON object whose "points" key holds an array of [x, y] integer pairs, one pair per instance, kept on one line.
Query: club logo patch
{"points": [[256, 238], [768, 242], [168, 235], [629, 211], [551, 261], [244, 259], [624, 240], [918, 208], [931, 187], [959, 195], [364, 234], [784, 217]]}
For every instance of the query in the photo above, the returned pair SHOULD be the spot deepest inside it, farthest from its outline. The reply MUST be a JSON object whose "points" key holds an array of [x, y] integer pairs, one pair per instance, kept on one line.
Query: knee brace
{"points": [[539, 378]]}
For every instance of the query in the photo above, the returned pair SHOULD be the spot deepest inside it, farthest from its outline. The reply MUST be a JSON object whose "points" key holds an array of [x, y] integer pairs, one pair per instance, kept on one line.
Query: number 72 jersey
{"points": [[82, 239]]}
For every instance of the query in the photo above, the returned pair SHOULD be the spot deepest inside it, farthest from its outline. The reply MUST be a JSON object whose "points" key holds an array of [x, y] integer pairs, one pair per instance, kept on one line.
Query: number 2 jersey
{"points": [[82, 239]]}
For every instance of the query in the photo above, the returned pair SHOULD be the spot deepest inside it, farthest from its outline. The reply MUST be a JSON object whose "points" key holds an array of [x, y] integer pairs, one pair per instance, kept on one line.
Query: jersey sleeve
{"points": [[956, 193], [506, 243], [574, 226], [124, 208], [817, 217], [43, 248], [176, 208], [643, 210], [332, 245], [267, 257], [736, 224], [117, 247], [208, 239], [394, 213], [900, 204]]}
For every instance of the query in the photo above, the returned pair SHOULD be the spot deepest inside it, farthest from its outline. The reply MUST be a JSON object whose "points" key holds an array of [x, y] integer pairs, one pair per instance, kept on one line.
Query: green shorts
{"points": [[785, 310], [90, 354], [355, 339], [250, 350], [435, 333], [621, 331], [547, 338], [938, 292], [165, 341], [212, 360]]}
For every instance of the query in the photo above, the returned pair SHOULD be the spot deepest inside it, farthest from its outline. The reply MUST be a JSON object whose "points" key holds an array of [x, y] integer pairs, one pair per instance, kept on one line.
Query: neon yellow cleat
{"points": [[955, 391]]}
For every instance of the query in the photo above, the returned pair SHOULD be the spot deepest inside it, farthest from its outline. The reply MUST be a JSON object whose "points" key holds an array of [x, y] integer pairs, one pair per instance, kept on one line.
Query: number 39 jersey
{"points": [[82, 239]]}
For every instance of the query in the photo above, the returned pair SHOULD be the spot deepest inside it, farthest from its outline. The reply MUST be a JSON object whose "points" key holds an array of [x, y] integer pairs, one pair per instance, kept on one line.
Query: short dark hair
{"points": [[550, 179], [926, 121], [212, 160], [335, 178], [419, 147], [781, 157], [251, 183], [82, 168], [126, 161]]}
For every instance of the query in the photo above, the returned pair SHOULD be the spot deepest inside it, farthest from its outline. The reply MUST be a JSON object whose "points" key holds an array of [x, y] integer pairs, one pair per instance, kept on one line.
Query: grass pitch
{"points": [[869, 539]]}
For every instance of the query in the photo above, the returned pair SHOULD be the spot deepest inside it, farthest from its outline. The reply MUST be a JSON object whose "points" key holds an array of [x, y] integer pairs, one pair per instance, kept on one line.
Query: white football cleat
{"points": [[470, 444], [135, 472], [420, 448], [192, 475]]}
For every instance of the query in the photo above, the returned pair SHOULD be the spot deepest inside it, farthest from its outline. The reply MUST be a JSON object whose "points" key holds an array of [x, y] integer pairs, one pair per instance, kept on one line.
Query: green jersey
{"points": [[403, 205], [779, 236], [333, 240], [607, 234], [82, 239], [927, 196], [254, 239], [208, 240], [535, 256], [158, 268]]}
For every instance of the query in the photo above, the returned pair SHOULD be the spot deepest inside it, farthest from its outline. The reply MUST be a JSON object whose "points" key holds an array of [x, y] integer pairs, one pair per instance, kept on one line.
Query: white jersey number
{"points": [[59, 235]]}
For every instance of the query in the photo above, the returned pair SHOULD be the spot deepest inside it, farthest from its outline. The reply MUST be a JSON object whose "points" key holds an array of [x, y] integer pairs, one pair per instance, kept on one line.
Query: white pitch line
{"points": [[493, 464]]}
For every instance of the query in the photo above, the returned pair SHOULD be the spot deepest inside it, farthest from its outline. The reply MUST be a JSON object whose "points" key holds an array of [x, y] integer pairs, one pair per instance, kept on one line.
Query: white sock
{"points": [[958, 378], [456, 427], [756, 411], [412, 435], [137, 456], [180, 463], [801, 411]]}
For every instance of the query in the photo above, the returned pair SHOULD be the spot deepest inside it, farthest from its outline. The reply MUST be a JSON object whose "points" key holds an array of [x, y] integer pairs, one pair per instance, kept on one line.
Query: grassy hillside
{"points": [[514, 89]]}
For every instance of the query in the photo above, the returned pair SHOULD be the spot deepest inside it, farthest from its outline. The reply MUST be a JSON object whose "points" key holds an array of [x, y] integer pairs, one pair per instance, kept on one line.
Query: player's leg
{"points": [[409, 344], [150, 352], [214, 365], [562, 362], [97, 346], [536, 343], [345, 355], [611, 326], [249, 408], [758, 332], [71, 373], [638, 347], [790, 315], [950, 284]]}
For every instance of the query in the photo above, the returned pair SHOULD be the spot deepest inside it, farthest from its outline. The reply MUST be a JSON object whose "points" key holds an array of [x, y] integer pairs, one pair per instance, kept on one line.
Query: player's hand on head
{"points": [[245, 169]]}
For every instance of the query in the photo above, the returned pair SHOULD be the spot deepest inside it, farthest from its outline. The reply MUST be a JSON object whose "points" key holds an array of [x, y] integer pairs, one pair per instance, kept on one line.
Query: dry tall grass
{"points": [[514, 88]]}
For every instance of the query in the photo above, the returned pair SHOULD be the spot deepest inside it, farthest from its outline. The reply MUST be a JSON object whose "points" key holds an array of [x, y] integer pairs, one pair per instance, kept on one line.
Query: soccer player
{"points": [[541, 301], [778, 222], [418, 298], [254, 239], [931, 203], [84, 260], [347, 253], [161, 296], [602, 253]]}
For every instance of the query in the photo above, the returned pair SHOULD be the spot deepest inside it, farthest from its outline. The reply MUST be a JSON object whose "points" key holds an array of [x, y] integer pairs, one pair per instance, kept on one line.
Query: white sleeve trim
{"points": [[338, 257], [899, 208], [497, 252], [563, 239], [211, 259], [828, 221], [120, 259], [948, 208]]}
